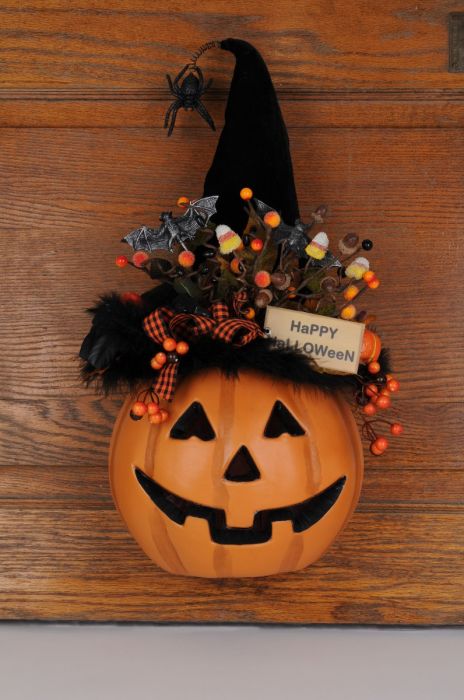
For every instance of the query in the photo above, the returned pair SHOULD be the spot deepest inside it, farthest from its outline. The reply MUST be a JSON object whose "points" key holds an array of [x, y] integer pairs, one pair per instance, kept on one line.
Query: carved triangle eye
{"points": [[193, 422], [281, 421]]}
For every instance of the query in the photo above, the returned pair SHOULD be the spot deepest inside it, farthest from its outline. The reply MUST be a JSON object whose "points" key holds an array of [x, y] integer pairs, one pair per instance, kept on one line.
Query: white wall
{"points": [[48, 662]]}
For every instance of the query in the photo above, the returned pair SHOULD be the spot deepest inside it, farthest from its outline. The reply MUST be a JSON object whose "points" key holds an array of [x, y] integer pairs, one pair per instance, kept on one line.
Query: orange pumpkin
{"points": [[249, 477]]}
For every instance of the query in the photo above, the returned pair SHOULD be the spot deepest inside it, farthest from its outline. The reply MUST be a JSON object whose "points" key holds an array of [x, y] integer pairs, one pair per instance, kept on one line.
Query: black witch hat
{"points": [[253, 144], [253, 151]]}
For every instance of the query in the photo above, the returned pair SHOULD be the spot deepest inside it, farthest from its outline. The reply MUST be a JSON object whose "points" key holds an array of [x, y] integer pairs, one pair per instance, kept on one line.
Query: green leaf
{"points": [[203, 236], [226, 283], [184, 285]]}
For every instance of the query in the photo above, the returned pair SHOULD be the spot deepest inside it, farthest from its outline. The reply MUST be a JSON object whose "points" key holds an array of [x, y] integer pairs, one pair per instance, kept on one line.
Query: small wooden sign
{"points": [[332, 343]]}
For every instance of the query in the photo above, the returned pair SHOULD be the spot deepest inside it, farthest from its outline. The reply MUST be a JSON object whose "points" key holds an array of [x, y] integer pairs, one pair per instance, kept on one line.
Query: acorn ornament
{"points": [[357, 268], [349, 244], [318, 246], [228, 240]]}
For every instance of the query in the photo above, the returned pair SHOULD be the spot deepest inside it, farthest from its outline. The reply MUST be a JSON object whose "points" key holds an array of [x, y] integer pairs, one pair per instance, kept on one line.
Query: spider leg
{"points": [[201, 79], [181, 74], [203, 112], [172, 112], [171, 87]]}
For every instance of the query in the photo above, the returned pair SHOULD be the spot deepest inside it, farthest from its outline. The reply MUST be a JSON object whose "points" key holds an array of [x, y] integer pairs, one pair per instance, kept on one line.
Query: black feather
{"points": [[116, 352]]}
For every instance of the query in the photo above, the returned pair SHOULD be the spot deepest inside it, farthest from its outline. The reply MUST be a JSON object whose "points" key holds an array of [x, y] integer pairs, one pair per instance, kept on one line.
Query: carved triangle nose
{"points": [[242, 467]]}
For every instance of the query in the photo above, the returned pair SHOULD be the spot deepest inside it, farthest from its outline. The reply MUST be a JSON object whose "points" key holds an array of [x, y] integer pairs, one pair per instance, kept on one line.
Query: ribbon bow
{"points": [[166, 323]]}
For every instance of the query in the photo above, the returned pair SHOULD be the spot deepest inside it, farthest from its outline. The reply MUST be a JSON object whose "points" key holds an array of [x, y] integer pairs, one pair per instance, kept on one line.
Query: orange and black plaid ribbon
{"points": [[166, 323]]}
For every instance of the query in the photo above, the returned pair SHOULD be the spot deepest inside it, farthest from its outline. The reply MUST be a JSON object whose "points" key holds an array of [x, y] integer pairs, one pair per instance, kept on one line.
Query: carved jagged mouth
{"points": [[302, 515]]}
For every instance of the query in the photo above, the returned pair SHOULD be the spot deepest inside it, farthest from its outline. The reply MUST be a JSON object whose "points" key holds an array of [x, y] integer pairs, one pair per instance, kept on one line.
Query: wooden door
{"points": [[375, 121]]}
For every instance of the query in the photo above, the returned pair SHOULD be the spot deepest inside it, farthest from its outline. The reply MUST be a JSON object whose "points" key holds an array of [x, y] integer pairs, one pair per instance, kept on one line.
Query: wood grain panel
{"points": [[390, 566], [376, 131], [321, 44], [132, 108]]}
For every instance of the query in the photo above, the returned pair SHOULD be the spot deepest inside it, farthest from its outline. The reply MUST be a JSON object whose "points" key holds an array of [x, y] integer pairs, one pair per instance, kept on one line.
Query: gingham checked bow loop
{"points": [[166, 323]]}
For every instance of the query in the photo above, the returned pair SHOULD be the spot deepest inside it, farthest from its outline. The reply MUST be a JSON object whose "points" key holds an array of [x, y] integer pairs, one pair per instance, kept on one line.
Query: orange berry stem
{"points": [[362, 289]]}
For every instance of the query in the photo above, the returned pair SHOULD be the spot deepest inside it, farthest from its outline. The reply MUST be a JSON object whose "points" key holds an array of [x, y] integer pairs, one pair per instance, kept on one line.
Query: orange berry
{"points": [[256, 244], [290, 292], [154, 364], [350, 292], [393, 385], [152, 408], [183, 202], [164, 415], [262, 279], [374, 449], [272, 219], [121, 261], [186, 258], [160, 358], [250, 313], [169, 344], [348, 312], [235, 266], [155, 418], [373, 367], [371, 390], [139, 408], [368, 276], [396, 428], [374, 284], [369, 409], [383, 401], [246, 193], [182, 347]]}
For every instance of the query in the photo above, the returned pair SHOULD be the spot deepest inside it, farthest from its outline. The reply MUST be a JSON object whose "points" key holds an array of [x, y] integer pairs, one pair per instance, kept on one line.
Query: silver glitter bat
{"points": [[173, 229]]}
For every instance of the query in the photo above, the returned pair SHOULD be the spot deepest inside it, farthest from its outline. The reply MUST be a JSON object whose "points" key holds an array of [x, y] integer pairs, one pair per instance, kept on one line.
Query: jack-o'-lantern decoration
{"points": [[233, 487], [236, 452]]}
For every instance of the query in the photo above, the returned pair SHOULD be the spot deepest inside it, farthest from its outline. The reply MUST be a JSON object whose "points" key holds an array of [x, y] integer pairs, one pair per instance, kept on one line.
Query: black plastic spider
{"points": [[188, 95]]}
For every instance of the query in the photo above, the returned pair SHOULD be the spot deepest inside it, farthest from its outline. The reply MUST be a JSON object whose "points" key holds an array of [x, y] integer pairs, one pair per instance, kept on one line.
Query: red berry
{"points": [[383, 402], [375, 451], [381, 444], [182, 348], [169, 344], [371, 390], [396, 428], [256, 244], [140, 258], [139, 408], [152, 408], [369, 409], [373, 367], [393, 385], [131, 297], [154, 364], [121, 261]]}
